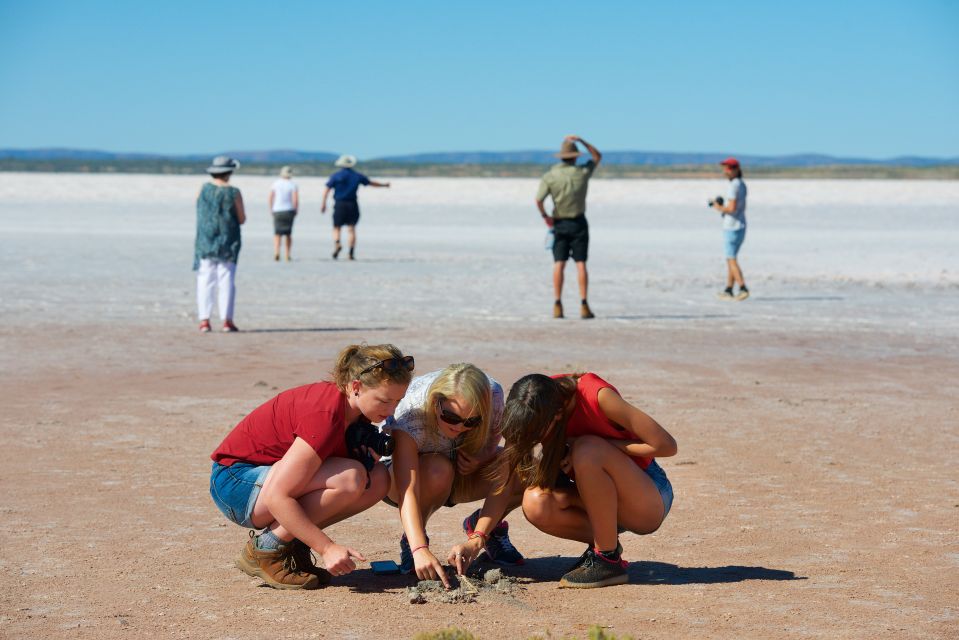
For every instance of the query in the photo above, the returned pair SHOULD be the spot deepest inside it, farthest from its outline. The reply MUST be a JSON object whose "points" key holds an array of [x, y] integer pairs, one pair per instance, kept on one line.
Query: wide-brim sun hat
{"points": [[345, 161], [568, 150], [286, 172], [223, 164]]}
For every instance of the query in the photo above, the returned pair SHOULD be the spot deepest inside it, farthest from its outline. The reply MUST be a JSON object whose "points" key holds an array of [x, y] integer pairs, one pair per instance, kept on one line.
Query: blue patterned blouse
{"points": [[217, 226]]}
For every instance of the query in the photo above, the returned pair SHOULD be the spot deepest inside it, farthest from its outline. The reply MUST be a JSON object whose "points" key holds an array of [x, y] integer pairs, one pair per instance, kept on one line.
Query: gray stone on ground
{"points": [[493, 576]]}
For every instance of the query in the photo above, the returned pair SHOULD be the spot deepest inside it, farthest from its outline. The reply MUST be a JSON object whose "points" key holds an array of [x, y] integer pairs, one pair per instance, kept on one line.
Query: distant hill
{"points": [[531, 157]]}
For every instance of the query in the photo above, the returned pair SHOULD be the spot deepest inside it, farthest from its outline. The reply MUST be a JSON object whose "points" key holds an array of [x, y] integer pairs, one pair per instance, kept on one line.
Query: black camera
{"points": [[362, 434], [717, 200]]}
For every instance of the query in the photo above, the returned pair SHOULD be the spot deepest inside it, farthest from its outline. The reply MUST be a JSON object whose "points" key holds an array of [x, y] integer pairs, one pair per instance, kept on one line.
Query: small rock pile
{"points": [[466, 589]]}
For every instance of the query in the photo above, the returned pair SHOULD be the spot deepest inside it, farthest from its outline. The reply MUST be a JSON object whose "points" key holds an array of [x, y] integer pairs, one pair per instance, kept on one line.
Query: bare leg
{"points": [[586, 513], [289, 246], [435, 484], [337, 491], [583, 278], [735, 274], [276, 247], [558, 268]]}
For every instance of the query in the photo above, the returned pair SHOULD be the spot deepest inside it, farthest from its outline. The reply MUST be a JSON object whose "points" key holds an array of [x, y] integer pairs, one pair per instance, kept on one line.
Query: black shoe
{"points": [[336, 250], [303, 559], [596, 571], [352, 257], [589, 549]]}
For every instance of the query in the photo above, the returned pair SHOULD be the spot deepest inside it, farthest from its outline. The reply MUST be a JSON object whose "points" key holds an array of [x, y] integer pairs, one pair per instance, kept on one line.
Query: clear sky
{"points": [[866, 78]]}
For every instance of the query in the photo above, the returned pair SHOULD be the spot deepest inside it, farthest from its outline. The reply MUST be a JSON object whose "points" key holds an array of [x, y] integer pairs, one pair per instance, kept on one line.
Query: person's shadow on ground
{"points": [[553, 568]]}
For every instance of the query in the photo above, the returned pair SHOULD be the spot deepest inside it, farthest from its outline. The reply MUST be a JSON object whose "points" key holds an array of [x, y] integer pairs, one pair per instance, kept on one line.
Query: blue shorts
{"points": [[235, 489], [733, 239], [658, 476]]}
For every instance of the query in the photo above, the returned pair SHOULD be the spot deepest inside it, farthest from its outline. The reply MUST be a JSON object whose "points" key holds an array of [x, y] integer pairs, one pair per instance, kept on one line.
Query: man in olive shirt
{"points": [[566, 184]]}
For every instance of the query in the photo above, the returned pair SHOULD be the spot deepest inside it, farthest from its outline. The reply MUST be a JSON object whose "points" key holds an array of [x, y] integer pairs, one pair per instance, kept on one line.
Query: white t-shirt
{"points": [[409, 416], [737, 219], [283, 190]]}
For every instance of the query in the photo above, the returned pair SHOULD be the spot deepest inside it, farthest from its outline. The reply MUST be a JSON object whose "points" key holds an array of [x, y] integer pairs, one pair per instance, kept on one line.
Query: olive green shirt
{"points": [[566, 184]]}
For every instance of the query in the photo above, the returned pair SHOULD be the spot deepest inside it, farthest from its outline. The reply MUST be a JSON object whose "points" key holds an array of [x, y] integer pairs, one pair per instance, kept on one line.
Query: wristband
{"points": [[479, 534], [422, 546]]}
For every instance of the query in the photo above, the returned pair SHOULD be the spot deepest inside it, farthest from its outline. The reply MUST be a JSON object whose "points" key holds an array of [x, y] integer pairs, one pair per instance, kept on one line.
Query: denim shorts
{"points": [[235, 488], [658, 476], [733, 239]]}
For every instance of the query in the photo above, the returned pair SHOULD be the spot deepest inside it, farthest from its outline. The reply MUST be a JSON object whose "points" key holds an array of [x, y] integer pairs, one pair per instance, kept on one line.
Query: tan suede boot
{"points": [[303, 557], [277, 568]]}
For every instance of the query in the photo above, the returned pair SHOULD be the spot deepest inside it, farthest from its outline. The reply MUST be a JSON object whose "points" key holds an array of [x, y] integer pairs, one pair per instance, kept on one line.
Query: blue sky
{"points": [[854, 78]]}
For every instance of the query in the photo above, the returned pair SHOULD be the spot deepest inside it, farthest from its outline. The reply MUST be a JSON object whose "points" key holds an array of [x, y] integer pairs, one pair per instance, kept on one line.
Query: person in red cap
{"points": [[733, 211]]}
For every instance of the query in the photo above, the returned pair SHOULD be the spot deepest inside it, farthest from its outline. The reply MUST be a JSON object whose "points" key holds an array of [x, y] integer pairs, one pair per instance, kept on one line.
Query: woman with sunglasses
{"points": [[284, 469], [445, 437], [597, 475]]}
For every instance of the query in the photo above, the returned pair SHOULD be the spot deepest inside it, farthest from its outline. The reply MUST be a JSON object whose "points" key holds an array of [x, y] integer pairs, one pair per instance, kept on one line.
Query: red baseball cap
{"points": [[730, 162]]}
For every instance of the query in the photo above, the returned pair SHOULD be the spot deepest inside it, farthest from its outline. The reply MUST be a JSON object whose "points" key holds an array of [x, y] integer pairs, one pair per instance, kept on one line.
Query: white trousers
{"points": [[217, 275]]}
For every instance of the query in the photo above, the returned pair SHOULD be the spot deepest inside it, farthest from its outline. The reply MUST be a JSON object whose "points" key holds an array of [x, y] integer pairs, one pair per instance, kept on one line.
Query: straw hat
{"points": [[223, 164], [568, 150], [286, 172], [345, 161]]}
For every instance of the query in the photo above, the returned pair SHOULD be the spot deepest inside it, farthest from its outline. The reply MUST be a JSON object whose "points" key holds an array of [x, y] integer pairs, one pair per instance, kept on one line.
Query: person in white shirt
{"points": [[733, 211], [284, 202]]}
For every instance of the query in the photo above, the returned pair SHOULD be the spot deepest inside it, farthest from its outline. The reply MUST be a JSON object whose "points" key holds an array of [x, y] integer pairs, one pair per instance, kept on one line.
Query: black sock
{"points": [[613, 556], [743, 288], [729, 289], [559, 302], [584, 301]]}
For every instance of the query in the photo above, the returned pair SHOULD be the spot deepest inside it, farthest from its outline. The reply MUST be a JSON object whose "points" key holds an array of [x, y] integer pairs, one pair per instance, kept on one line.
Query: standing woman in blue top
{"points": [[346, 211], [219, 214], [733, 211]]}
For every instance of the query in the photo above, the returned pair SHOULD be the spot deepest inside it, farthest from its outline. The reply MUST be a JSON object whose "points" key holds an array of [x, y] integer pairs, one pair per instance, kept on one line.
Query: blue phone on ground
{"points": [[384, 567]]}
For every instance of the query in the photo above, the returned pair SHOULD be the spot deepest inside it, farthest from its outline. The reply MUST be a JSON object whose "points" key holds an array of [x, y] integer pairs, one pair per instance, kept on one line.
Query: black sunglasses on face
{"points": [[451, 418], [390, 364]]}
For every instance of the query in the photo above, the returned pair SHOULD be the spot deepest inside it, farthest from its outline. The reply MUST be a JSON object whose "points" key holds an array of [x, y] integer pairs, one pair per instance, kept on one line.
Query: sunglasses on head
{"points": [[451, 418], [390, 364]]}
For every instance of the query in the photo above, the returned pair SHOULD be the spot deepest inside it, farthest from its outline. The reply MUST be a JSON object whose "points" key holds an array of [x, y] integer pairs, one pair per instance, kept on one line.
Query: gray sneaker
{"points": [[596, 571]]}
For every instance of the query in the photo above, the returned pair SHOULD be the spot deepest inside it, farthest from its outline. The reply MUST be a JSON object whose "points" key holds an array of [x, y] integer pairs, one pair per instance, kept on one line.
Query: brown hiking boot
{"points": [[585, 312], [557, 309], [303, 557], [277, 568]]}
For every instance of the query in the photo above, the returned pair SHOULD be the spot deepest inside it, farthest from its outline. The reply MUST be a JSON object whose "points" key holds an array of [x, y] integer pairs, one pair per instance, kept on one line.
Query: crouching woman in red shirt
{"points": [[597, 476], [285, 468]]}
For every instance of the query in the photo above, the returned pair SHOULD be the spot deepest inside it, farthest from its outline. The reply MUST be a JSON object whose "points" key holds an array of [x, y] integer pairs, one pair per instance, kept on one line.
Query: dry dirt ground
{"points": [[817, 492]]}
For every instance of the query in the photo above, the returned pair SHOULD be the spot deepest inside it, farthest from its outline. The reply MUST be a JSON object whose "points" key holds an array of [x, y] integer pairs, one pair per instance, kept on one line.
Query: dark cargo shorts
{"points": [[571, 239]]}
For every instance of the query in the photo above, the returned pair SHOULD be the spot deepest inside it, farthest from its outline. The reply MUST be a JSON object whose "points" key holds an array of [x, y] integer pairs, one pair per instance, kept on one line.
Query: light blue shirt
{"points": [[737, 219]]}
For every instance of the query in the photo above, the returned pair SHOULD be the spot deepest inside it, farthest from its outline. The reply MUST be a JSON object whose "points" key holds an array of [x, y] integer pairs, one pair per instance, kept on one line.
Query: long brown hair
{"points": [[533, 403], [357, 357]]}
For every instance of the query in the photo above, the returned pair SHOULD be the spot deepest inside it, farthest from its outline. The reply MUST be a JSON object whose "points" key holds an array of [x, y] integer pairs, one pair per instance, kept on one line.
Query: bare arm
{"points": [[291, 477], [652, 439], [593, 151], [326, 194], [374, 183], [494, 508], [240, 211], [406, 473], [729, 206], [541, 205], [296, 200], [270, 200]]}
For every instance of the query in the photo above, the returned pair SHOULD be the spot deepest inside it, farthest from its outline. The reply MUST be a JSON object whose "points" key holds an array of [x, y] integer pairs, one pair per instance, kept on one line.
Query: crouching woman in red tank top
{"points": [[597, 476], [286, 469]]}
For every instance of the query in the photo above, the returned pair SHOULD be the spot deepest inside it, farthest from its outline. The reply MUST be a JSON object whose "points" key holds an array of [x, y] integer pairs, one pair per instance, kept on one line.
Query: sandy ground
{"points": [[816, 485]]}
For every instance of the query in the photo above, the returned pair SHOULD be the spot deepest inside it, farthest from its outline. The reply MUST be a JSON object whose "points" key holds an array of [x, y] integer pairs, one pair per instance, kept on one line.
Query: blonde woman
{"points": [[446, 436], [285, 468]]}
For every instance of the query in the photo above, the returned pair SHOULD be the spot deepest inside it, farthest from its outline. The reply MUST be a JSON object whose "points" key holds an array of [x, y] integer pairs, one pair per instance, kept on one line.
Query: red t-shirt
{"points": [[588, 419], [314, 412]]}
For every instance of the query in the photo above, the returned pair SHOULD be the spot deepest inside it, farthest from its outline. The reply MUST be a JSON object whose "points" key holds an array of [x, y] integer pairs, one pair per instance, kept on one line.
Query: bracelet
{"points": [[422, 546], [478, 534]]}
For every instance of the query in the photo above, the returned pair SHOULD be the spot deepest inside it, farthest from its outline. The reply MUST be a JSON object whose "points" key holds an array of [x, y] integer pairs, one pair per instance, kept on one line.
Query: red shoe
{"points": [[205, 327], [229, 327]]}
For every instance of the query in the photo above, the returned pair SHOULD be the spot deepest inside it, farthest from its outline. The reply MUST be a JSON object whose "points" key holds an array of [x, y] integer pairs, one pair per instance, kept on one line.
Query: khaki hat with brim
{"points": [[223, 164], [286, 172], [568, 150], [345, 161]]}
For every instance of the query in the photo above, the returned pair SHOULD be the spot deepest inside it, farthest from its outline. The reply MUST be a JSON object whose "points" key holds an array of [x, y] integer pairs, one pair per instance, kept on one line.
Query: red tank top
{"points": [[588, 418]]}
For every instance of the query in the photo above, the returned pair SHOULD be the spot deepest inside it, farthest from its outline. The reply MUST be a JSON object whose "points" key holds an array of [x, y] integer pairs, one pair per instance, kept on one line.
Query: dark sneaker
{"points": [[406, 557], [589, 549], [336, 250], [499, 549], [585, 312], [595, 571], [557, 309], [303, 557], [352, 254], [277, 568]]}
